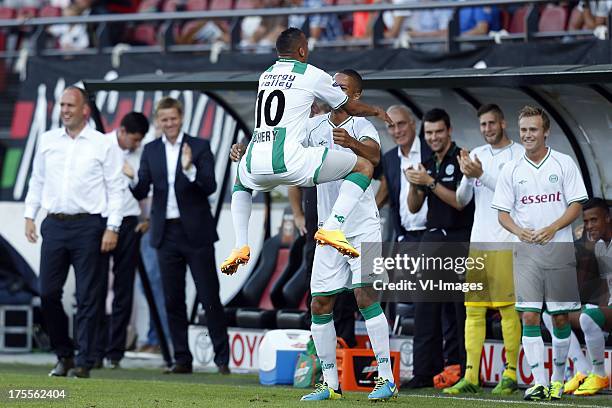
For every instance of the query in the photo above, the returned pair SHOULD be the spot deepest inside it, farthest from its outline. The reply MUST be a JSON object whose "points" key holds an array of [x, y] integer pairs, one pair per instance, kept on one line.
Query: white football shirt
{"points": [[538, 195], [286, 92], [486, 227], [364, 218]]}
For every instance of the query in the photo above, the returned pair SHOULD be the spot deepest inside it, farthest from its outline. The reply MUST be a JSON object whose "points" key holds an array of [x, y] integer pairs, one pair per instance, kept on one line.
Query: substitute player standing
{"points": [[275, 155], [543, 190], [595, 319], [333, 273], [481, 169]]}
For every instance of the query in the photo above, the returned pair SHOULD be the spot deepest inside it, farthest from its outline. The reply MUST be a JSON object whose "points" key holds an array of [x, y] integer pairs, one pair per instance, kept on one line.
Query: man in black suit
{"points": [[181, 169], [410, 151]]}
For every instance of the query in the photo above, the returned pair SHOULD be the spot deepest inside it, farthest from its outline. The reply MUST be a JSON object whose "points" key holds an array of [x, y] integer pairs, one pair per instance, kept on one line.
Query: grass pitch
{"points": [[151, 388]]}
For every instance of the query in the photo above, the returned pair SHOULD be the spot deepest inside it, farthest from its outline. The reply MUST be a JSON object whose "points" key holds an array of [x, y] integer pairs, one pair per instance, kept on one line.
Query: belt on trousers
{"points": [[173, 220], [68, 217]]}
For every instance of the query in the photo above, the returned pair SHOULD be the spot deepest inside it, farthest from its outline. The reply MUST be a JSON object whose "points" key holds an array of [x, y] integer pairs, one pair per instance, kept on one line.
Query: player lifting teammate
{"points": [[275, 156]]}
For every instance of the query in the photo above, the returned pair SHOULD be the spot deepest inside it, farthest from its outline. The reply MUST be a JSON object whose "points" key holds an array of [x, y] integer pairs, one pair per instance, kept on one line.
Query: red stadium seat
{"points": [[553, 18], [50, 11], [27, 12], [145, 34], [7, 13], [221, 5], [170, 5], [518, 23], [344, 2], [505, 19], [245, 4], [197, 5]]}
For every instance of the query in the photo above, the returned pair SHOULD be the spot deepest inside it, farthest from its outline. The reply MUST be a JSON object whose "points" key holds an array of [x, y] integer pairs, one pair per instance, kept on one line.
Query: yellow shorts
{"points": [[496, 277]]}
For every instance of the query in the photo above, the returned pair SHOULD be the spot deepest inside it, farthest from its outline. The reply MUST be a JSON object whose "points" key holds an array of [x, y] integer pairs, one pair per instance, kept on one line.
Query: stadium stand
{"points": [[518, 21], [553, 18]]}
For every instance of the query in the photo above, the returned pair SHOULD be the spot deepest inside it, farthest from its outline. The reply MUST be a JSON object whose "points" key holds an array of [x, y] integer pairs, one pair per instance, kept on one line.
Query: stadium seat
{"points": [[50, 11], [171, 5], [7, 13], [144, 34], [221, 5], [256, 284], [245, 4], [293, 316], [295, 290], [552, 18], [505, 19], [196, 5], [293, 264], [518, 22], [27, 12], [264, 286]]}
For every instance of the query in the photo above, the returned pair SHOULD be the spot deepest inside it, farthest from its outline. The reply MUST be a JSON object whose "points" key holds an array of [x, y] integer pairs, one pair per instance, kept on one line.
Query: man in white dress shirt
{"points": [[76, 176], [410, 151], [112, 338]]}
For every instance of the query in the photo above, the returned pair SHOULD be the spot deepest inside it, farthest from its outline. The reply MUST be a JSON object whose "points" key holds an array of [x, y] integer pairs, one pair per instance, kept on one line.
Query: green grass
{"points": [[150, 388]]}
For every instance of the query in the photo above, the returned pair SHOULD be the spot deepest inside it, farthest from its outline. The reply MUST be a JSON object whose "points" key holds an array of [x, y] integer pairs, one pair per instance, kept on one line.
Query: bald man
{"points": [[76, 177]]}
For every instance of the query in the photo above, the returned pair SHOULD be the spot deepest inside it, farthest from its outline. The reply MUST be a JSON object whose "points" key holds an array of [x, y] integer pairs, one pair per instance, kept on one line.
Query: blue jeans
{"points": [[149, 258]]}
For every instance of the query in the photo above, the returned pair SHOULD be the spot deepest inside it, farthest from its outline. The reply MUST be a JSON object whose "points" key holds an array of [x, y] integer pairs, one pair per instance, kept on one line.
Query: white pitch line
{"points": [[504, 401]]}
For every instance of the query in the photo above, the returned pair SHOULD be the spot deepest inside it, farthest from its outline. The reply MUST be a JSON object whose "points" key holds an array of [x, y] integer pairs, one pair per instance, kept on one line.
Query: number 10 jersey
{"points": [[286, 92]]}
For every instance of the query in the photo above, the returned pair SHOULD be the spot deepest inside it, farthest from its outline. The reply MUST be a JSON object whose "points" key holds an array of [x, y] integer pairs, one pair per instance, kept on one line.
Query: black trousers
{"points": [[111, 339], [71, 242], [439, 327], [174, 254]]}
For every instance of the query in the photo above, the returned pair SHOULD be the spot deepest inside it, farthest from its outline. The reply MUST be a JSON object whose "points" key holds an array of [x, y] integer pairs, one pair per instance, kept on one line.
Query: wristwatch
{"points": [[432, 185], [113, 228]]}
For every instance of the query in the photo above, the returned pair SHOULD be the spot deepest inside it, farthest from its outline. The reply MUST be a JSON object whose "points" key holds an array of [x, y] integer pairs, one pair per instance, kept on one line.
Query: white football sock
{"points": [[581, 364], [560, 348], [242, 202], [348, 197], [324, 336], [534, 351], [378, 331], [595, 342]]}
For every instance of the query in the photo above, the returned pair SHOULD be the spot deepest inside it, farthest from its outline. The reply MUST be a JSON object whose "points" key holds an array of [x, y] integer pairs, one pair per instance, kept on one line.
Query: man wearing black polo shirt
{"points": [[447, 221]]}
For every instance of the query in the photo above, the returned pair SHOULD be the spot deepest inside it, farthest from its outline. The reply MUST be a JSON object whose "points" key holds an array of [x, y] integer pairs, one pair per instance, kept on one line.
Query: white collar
{"points": [[415, 148], [179, 139], [85, 132]]}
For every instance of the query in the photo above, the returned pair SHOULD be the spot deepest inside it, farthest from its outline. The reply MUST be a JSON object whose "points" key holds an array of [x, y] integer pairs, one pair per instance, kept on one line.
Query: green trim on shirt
{"points": [[249, 155], [316, 174], [299, 67], [537, 166], [278, 150]]}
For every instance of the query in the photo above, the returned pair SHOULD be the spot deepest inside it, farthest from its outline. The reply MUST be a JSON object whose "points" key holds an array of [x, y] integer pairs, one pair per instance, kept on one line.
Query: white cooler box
{"points": [[278, 354]]}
